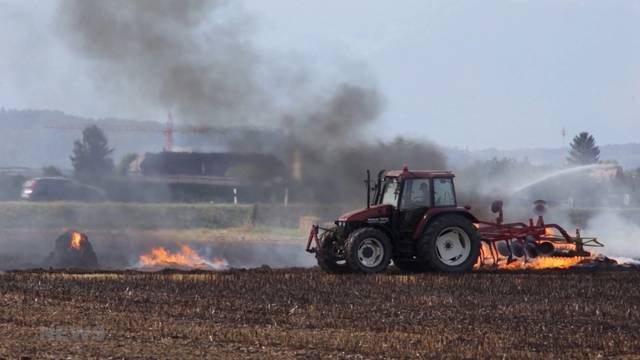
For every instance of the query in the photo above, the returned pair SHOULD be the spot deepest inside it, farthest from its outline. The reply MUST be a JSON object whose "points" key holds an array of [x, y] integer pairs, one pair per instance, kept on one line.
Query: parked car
{"points": [[60, 188]]}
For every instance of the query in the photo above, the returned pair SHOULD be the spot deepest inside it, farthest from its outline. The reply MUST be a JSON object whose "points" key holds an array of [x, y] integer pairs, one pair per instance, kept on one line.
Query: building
{"points": [[219, 177]]}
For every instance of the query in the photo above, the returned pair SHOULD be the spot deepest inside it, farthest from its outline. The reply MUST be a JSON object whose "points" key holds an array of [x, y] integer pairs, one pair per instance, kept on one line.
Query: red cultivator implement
{"points": [[412, 219], [528, 241]]}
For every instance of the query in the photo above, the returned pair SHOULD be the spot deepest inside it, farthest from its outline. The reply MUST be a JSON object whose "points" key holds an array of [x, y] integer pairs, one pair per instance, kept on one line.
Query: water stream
{"points": [[561, 172]]}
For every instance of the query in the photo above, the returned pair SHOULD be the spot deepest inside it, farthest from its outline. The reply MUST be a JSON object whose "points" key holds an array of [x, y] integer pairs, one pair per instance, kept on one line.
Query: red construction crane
{"points": [[168, 134]]}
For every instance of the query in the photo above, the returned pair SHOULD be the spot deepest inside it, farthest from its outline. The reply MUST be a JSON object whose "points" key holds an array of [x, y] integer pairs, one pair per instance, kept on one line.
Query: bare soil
{"points": [[295, 313]]}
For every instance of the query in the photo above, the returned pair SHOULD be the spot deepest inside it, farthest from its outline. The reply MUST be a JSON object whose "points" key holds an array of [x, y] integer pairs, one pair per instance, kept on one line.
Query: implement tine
{"points": [[494, 253], [593, 242], [510, 258]]}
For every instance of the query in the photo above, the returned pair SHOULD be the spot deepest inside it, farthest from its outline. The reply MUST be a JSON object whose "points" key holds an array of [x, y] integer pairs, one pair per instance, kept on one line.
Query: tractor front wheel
{"points": [[450, 244], [330, 255], [368, 250]]}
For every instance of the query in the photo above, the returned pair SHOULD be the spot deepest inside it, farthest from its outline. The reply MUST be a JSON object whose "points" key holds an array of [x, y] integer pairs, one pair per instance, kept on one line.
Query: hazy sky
{"points": [[474, 74]]}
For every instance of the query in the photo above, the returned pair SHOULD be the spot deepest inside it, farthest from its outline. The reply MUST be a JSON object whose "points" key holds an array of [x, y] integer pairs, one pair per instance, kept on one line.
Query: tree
{"points": [[583, 150], [91, 156], [51, 170]]}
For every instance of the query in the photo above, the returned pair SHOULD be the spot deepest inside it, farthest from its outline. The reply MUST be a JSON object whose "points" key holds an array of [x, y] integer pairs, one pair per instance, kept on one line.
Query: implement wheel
{"points": [[450, 244], [330, 255], [368, 250]]}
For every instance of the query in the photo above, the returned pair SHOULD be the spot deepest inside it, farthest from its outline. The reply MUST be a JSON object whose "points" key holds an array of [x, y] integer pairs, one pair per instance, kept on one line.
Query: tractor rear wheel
{"points": [[368, 250], [330, 255], [450, 244]]}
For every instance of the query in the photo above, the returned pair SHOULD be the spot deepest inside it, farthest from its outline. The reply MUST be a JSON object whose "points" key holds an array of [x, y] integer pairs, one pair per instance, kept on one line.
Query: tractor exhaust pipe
{"points": [[368, 183], [378, 188]]}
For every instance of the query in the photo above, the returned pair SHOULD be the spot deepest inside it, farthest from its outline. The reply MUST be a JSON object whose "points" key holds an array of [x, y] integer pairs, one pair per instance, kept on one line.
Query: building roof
{"points": [[406, 173], [203, 164]]}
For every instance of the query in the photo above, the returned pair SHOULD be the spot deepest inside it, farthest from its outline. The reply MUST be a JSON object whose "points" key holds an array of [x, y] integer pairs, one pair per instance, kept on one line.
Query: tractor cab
{"points": [[412, 193], [400, 199], [407, 190]]}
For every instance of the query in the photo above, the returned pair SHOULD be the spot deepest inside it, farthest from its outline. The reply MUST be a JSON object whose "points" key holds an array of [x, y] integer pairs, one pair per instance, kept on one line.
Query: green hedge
{"points": [[289, 216], [34, 215], [21, 215], [121, 215]]}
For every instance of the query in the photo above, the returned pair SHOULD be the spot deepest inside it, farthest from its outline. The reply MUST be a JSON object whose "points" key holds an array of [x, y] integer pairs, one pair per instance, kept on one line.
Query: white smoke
{"points": [[620, 235]]}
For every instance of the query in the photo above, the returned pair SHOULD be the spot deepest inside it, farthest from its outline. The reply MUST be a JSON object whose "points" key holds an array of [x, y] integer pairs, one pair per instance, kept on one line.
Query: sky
{"points": [[469, 74]]}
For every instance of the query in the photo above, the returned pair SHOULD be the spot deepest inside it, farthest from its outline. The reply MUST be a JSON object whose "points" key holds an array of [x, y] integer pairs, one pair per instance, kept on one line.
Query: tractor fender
{"points": [[381, 227], [384, 229], [435, 213], [364, 214]]}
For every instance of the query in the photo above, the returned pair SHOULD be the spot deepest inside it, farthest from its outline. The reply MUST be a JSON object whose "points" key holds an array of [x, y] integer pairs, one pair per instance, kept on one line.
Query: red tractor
{"points": [[413, 218]]}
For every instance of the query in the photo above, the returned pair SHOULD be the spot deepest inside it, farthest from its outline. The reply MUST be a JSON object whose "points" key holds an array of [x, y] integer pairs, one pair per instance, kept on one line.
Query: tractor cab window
{"points": [[416, 194], [443, 194], [390, 192]]}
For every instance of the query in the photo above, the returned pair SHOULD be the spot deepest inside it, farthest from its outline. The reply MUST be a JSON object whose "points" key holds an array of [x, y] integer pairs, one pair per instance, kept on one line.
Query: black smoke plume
{"points": [[196, 58]]}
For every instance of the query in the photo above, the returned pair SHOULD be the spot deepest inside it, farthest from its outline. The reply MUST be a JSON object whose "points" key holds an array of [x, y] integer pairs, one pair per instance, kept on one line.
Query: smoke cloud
{"points": [[192, 57], [619, 234], [197, 59]]}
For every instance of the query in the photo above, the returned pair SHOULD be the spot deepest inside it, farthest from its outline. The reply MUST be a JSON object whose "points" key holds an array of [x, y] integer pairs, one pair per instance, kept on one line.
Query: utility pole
{"points": [[168, 134], [563, 132]]}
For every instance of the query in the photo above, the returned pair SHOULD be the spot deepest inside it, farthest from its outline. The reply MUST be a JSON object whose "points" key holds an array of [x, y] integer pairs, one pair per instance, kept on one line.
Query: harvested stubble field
{"points": [[297, 313]]}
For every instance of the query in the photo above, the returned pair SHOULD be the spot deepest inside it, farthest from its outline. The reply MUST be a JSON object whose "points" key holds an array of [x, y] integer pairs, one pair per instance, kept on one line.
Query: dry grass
{"points": [[235, 234], [305, 313], [57, 214]]}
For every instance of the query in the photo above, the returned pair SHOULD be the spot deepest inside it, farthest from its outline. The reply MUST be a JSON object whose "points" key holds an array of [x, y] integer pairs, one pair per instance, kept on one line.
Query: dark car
{"points": [[59, 188]]}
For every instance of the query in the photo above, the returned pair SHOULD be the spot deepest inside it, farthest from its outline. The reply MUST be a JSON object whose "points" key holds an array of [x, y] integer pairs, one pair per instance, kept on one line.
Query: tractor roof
{"points": [[406, 173]]}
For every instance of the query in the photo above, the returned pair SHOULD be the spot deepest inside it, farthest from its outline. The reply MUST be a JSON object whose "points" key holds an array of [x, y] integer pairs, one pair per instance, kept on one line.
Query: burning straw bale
{"points": [[72, 250]]}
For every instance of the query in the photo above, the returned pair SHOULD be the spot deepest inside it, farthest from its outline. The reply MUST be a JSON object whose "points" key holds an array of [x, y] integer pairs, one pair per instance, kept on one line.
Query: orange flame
{"points": [[541, 262], [76, 239], [555, 262], [185, 258]]}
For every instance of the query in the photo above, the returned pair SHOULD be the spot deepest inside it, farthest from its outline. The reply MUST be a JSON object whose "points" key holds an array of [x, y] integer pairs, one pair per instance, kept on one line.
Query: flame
{"points": [[541, 262], [76, 239], [560, 246], [555, 262], [185, 258], [549, 231]]}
